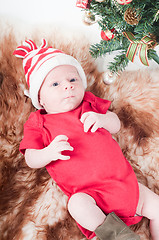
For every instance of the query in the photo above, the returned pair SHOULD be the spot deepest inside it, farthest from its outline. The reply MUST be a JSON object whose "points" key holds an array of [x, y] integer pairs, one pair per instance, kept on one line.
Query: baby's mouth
{"points": [[71, 96]]}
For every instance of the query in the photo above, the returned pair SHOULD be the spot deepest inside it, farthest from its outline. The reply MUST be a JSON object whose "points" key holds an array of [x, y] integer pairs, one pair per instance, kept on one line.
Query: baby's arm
{"points": [[109, 121], [37, 158]]}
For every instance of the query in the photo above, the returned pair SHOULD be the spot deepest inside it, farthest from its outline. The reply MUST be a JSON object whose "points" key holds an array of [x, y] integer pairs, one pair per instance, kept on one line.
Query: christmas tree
{"points": [[131, 26]]}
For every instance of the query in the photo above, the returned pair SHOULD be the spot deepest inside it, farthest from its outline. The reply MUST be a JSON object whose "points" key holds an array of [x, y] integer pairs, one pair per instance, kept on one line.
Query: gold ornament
{"points": [[100, 1], [109, 77], [89, 18], [131, 17]]}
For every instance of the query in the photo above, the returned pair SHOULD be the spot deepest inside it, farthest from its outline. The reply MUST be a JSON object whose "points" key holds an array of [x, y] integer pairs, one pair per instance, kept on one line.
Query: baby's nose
{"points": [[68, 85]]}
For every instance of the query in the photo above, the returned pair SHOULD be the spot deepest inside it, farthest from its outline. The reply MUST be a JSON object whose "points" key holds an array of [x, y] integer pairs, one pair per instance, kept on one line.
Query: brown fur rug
{"points": [[31, 204]]}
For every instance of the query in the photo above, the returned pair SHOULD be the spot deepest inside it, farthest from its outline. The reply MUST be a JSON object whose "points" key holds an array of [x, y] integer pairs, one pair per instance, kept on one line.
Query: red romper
{"points": [[97, 165]]}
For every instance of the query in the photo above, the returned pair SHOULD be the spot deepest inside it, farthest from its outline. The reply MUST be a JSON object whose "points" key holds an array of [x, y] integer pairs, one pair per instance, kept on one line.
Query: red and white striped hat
{"points": [[38, 62]]}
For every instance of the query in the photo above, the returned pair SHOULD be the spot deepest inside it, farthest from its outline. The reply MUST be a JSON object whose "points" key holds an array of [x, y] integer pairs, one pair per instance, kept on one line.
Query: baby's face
{"points": [[62, 90]]}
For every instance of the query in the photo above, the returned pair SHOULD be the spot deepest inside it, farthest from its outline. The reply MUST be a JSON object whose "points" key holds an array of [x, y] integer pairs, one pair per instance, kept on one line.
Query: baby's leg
{"points": [[148, 206], [84, 210]]}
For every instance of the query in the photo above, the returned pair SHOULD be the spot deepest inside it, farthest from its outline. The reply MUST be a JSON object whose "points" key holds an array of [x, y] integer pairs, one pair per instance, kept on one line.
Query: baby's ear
{"points": [[40, 101]]}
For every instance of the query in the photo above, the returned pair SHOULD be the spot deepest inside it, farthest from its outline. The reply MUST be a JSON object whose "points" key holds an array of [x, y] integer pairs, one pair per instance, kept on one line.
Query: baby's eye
{"points": [[73, 80], [55, 84]]}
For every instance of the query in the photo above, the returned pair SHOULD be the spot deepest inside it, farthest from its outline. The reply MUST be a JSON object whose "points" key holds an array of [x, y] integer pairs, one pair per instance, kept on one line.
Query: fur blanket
{"points": [[31, 204]]}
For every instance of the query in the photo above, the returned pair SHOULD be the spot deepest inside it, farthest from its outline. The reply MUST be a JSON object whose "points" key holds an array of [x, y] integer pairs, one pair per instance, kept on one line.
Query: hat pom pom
{"points": [[44, 43], [24, 49], [27, 47]]}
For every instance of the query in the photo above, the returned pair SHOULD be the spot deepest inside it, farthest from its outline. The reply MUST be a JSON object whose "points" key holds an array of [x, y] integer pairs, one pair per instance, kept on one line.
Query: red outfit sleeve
{"points": [[98, 104], [33, 138]]}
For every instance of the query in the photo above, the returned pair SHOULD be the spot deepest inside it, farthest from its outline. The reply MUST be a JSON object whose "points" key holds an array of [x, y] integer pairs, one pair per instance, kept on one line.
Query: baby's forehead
{"points": [[63, 70]]}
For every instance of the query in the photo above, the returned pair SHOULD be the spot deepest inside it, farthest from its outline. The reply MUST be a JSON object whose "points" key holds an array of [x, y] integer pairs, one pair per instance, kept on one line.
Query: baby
{"points": [[70, 135]]}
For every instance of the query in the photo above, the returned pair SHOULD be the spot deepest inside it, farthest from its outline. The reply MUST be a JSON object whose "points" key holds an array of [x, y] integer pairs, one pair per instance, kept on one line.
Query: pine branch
{"points": [[153, 55], [104, 47], [112, 15], [119, 64]]}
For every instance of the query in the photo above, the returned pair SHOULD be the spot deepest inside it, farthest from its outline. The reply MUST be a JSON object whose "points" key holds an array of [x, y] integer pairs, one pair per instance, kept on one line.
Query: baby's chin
{"points": [[63, 110], [66, 106], [70, 106]]}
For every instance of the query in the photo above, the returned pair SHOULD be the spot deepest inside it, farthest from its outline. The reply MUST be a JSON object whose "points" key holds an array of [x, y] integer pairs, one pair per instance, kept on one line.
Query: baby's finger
{"points": [[61, 138], [84, 116], [94, 127], [63, 157], [68, 148], [89, 122], [64, 146]]}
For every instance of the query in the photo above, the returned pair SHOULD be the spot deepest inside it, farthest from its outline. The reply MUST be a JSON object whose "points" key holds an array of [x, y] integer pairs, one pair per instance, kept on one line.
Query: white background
{"points": [[62, 14], [33, 11]]}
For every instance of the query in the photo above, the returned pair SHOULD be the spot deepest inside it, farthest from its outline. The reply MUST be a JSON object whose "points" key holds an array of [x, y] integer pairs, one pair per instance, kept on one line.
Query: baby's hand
{"points": [[92, 120], [58, 145]]}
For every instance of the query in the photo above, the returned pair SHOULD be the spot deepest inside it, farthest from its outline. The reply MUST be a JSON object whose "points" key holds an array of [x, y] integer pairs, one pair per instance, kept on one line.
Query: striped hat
{"points": [[38, 62]]}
